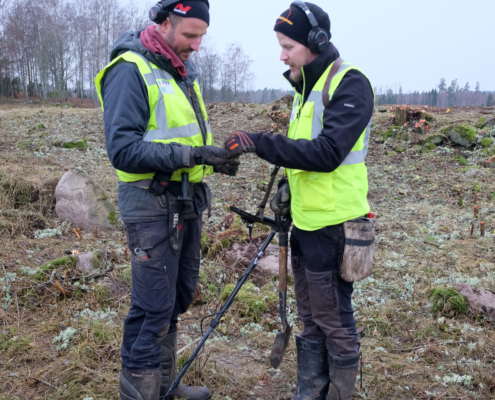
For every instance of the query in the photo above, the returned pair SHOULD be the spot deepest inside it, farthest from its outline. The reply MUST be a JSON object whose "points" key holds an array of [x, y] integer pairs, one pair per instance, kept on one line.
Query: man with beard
{"points": [[325, 185], [158, 135]]}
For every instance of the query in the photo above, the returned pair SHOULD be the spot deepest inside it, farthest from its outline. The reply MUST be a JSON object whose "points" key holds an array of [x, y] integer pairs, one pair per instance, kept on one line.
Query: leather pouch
{"points": [[357, 261]]}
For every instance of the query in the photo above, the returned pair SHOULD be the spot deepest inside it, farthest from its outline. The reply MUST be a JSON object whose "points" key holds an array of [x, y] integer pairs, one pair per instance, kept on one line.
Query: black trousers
{"points": [[323, 298], [162, 288]]}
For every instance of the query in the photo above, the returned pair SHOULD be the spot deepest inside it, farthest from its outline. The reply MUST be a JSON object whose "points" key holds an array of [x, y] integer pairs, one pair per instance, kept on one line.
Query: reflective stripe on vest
{"points": [[179, 126], [323, 199], [354, 157]]}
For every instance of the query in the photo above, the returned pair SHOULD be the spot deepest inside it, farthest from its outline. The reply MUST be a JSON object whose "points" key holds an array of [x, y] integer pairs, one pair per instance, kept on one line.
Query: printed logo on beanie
{"points": [[286, 19], [181, 9]]}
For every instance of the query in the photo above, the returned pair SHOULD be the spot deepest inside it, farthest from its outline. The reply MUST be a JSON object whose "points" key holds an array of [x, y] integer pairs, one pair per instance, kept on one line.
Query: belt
{"points": [[144, 183]]}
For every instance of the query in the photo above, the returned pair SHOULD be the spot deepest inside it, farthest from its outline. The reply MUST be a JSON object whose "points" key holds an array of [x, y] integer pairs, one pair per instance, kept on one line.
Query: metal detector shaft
{"points": [[214, 323], [261, 208]]}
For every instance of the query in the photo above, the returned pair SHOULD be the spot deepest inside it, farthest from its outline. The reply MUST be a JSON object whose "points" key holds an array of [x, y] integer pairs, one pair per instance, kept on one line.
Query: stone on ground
{"points": [[463, 135], [84, 203], [86, 262], [478, 299]]}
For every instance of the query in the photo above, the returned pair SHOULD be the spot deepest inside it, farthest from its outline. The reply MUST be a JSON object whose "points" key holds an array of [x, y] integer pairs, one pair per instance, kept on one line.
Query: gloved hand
{"points": [[280, 203], [209, 155], [229, 169], [242, 142]]}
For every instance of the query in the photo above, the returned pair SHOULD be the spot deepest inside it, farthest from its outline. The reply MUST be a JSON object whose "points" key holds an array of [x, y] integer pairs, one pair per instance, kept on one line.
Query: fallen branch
{"points": [[46, 383]]}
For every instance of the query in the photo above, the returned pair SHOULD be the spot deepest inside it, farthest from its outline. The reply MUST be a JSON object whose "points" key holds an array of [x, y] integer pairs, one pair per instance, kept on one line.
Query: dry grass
{"points": [[423, 242]]}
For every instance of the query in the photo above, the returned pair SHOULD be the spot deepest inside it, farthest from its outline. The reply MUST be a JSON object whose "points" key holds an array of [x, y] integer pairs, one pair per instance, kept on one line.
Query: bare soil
{"points": [[60, 332]]}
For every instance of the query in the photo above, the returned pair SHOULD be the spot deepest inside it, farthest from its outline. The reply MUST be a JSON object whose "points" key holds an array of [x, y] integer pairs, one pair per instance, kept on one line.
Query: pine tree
{"points": [[489, 101], [467, 88], [273, 95], [477, 88], [442, 87]]}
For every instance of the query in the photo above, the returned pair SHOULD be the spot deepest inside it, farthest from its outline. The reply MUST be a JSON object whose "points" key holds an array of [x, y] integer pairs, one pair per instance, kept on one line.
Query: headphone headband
{"points": [[318, 39], [302, 5]]}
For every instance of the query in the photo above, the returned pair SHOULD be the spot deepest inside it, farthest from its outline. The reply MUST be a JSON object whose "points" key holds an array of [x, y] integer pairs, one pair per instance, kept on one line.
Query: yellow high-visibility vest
{"points": [[172, 118], [324, 199]]}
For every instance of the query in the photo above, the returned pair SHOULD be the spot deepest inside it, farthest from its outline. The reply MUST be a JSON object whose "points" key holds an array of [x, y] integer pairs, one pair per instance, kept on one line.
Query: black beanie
{"points": [[191, 9], [294, 23]]}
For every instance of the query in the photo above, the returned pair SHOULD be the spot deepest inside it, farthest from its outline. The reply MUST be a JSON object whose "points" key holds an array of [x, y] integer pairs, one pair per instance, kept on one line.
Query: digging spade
{"points": [[282, 338]]}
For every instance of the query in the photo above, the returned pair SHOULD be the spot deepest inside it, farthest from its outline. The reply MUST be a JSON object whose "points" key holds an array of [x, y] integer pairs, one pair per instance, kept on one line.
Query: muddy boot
{"points": [[169, 373], [312, 369], [343, 372], [142, 385]]}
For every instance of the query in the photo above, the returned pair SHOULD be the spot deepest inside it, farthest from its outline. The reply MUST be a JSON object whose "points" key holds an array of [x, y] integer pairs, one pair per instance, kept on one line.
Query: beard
{"points": [[296, 76]]}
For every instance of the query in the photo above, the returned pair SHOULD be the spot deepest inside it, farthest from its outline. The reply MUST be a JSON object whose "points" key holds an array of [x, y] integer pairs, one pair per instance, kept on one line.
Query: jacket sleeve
{"points": [[126, 116], [344, 119]]}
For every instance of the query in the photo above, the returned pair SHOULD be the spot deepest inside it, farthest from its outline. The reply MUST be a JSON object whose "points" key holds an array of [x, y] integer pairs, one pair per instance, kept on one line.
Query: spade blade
{"points": [[280, 345]]}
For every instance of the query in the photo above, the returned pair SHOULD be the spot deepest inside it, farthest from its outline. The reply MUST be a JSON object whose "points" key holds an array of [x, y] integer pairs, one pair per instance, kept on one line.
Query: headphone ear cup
{"points": [[157, 14], [318, 41]]}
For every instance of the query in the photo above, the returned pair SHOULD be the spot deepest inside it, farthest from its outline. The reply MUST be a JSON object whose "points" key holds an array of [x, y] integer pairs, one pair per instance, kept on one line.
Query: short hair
{"points": [[175, 20]]}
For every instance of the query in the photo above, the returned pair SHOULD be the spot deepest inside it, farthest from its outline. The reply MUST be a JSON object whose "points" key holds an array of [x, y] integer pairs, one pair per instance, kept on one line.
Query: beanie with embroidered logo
{"points": [[191, 9], [294, 23]]}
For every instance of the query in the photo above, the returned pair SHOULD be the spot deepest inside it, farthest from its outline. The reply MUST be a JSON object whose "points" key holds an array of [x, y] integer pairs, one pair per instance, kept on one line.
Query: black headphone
{"points": [[318, 39], [159, 13]]}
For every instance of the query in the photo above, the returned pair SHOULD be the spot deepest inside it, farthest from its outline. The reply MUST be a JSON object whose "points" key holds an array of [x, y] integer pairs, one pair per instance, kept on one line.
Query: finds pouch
{"points": [[357, 262]]}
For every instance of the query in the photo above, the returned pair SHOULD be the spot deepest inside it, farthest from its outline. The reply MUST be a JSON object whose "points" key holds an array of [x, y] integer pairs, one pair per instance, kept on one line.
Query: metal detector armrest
{"points": [[252, 219]]}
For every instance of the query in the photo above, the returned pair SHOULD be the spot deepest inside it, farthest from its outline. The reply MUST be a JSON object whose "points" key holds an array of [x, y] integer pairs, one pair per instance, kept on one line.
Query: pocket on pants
{"points": [[322, 295], [150, 285]]}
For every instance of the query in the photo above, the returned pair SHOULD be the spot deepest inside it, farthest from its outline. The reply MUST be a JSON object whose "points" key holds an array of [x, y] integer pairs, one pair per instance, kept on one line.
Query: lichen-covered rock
{"points": [[463, 135], [435, 138], [85, 203], [489, 122], [481, 300], [86, 262]]}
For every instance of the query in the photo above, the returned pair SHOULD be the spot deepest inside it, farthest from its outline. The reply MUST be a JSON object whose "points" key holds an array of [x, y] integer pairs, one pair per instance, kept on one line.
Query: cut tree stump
{"points": [[401, 113]]}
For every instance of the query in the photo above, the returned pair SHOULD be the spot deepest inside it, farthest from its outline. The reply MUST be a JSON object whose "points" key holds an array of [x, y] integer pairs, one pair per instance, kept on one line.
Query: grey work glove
{"points": [[209, 155], [229, 169], [280, 203]]}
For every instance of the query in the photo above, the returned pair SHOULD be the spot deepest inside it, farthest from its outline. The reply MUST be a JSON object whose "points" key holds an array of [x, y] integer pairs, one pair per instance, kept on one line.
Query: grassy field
{"points": [[60, 332]]}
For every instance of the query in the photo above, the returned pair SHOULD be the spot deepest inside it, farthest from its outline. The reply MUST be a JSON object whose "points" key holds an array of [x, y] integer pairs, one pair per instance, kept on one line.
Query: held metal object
{"points": [[282, 338], [216, 321]]}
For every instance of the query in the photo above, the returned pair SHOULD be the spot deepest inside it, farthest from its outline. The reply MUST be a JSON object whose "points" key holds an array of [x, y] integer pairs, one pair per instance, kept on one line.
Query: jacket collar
{"points": [[313, 71]]}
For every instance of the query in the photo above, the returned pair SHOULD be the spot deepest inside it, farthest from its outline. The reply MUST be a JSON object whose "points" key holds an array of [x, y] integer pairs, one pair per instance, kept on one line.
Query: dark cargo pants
{"points": [[162, 288], [323, 298]]}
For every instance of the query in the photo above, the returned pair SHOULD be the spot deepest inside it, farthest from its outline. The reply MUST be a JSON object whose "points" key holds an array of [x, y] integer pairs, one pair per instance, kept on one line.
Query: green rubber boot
{"points": [[169, 373], [312, 369], [343, 372], [142, 385]]}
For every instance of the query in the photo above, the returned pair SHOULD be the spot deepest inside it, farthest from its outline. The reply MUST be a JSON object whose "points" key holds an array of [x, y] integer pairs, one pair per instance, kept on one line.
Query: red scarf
{"points": [[155, 43]]}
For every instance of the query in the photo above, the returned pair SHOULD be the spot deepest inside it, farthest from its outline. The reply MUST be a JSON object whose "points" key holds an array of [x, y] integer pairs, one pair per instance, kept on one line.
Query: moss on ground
{"points": [[461, 160], [430, 147], [486, 142], [448, 301], [67, 262], [250, 298]]}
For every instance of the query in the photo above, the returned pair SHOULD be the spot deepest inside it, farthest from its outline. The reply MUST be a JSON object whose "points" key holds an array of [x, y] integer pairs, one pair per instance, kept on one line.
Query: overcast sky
{"points": [[412, 43]]}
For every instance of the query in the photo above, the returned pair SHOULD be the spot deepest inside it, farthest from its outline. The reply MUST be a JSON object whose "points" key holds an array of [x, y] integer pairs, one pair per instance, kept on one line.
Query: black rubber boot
{"points": [[312, 370], [142, 385], [343, 372], [169, 373]]}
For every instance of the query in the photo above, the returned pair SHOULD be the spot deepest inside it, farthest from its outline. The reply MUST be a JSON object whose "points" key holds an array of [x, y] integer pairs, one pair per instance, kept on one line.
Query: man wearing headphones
{"points": [[159, 139], [325, 185]]}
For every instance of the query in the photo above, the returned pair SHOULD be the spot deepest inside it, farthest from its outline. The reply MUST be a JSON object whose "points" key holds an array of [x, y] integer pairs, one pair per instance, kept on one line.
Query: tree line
{"points": [[440, 96], [54, 51]]}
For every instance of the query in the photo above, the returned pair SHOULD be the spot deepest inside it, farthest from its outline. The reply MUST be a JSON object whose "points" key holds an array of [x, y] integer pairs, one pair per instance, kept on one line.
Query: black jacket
{"points": [[127, 112], [342, 126]]}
